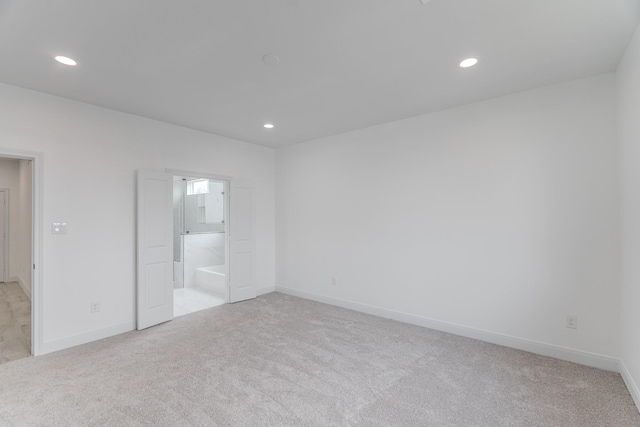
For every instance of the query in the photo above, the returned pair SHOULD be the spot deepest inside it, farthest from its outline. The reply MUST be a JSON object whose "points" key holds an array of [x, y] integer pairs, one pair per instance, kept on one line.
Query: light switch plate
{"points": [[58, 228]]}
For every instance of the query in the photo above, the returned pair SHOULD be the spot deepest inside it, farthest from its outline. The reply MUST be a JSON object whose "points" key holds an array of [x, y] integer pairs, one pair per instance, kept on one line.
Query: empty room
{"points": [[320, 213]]}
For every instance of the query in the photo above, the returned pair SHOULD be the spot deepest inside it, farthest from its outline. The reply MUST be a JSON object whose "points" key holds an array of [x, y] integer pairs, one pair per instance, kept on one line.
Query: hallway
{"points": [[15, 323]]}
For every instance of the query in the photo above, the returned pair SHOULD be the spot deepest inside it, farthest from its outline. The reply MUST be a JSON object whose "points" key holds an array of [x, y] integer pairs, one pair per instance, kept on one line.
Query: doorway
{"points": [[200, 243], [155, 243], [19, 292]]}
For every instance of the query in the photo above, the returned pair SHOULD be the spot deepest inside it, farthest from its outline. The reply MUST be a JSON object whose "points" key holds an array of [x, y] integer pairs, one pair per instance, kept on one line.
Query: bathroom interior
{"points": [[199, 244]]}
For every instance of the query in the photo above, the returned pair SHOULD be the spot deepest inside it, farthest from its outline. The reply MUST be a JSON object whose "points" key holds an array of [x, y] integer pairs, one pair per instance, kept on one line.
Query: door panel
{"points": [[155, 248], [241, 243], [156, 296]]}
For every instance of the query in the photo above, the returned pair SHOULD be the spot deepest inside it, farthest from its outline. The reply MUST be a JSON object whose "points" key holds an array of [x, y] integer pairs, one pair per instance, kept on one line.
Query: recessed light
{"points": [[66, 60], [469, 62], [268, 126], [270, 59]]}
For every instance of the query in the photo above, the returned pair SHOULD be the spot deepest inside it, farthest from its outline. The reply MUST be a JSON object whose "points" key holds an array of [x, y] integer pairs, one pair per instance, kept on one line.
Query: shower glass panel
{"points": [[198, 207], [178, 196], [203, 206]]}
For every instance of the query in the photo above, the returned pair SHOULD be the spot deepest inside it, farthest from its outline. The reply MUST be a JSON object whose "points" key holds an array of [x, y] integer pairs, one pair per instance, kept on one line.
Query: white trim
{"points": [[37, 180], [631, 384], [192, 174], [265, 290], [24, 287], [582, 357], [98, 334], [37, 254]]}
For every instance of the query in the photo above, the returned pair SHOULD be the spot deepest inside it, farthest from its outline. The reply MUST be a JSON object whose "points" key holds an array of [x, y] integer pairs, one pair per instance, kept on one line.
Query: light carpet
{"points": [[285, 361]]}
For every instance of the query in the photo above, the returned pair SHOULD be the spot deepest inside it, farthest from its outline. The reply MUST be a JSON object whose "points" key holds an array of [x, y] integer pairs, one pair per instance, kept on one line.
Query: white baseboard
{"points": [[558, 352], [631, 384], [265, 290], [64, 343]]}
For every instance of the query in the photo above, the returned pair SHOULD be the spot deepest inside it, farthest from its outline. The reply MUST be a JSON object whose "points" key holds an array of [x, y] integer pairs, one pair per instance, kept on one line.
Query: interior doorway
{"points": [[18, 287], [200, 243], [155, 243]]}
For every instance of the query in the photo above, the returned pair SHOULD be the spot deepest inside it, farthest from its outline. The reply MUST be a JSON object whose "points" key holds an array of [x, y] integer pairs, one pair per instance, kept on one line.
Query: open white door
{"points": [[155, 248], [241, 243]]}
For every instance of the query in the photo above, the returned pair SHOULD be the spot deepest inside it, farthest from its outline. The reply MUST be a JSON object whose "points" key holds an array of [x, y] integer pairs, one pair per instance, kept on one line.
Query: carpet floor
{"points": [[285, 361]]}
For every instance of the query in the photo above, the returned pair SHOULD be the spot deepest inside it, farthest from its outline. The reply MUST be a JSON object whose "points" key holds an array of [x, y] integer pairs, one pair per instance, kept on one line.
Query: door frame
{"points": [[227, 184], [5, 227], [37, 195]]}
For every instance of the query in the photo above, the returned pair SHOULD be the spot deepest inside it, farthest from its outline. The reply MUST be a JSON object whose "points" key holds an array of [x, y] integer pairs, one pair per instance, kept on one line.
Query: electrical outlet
{"points": [[572, 321], [333, 281], [95, 306]]}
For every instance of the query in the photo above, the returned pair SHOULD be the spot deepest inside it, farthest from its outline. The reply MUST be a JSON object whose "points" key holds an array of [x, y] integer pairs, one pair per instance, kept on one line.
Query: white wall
{"points": [[628, 76], [90, 159], [10, 179], [500, 216]]}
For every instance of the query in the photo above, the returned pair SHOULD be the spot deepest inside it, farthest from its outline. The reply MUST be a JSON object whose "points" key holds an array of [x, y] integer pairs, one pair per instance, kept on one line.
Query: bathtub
{"points": [[212, 279]]}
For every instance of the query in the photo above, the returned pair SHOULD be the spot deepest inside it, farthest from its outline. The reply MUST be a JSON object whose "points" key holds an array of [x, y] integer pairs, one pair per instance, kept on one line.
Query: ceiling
{"points": [[344, 64]]}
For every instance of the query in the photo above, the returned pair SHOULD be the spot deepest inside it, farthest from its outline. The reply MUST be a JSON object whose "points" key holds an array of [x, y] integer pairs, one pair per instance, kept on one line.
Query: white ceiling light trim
{"points": [[66, 60], [469, 62], [268, 126], [270, 59]]}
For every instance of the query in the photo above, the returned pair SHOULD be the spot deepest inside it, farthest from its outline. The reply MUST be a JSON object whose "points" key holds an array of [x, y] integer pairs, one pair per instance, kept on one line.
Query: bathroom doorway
{"points": [[155, 243], [200, 243]]}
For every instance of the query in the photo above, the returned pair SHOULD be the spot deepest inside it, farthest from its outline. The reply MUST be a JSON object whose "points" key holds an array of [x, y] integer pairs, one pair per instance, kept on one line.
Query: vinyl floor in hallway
{"points": [[15, 323]]}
